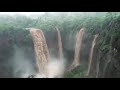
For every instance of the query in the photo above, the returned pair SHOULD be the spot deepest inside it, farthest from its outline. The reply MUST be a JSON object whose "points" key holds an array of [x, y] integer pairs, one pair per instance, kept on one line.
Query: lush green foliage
{"points": [[107, 24], [78, 72]]}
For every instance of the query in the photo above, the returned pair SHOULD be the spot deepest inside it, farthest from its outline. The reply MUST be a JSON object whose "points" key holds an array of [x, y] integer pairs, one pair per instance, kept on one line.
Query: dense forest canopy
{"points": [[48, 21], [106, 24]]}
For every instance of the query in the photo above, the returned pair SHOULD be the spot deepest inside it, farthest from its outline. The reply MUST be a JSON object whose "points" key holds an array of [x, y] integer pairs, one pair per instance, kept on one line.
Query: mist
{"points": [[56, 68], [17, 50], [22, 65]]}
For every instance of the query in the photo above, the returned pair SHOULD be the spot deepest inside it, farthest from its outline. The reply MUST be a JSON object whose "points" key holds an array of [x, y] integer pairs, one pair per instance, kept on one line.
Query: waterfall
{"points": [[79, 38], [60, 45], [91, 54], [41, 49]]}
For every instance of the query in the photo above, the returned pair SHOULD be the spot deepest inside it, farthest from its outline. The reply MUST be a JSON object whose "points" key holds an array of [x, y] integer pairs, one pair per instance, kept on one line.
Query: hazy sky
{"points": [[34, 13], [23, 13]]}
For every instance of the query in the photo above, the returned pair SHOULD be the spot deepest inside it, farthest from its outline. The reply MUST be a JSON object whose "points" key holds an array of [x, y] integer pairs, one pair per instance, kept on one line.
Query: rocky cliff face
{"points": [[106, 55], [106, 61], [110, 62]]}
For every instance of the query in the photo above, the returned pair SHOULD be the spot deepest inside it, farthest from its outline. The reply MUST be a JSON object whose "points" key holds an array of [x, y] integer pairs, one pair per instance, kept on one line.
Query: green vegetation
{"points": [[107, 24], [78, 72]]}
